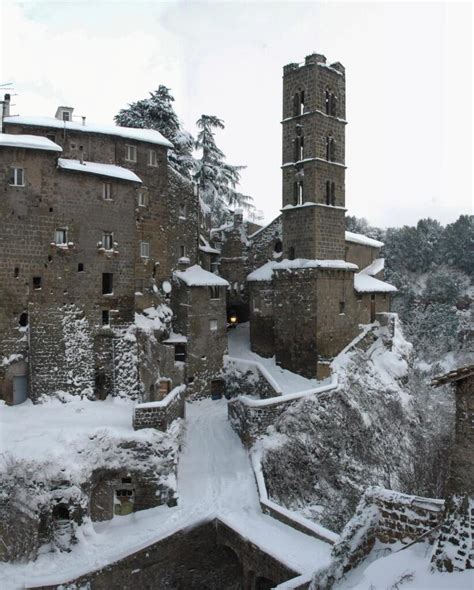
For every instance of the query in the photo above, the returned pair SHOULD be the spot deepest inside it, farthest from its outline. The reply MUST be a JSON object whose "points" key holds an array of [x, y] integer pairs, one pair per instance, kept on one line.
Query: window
{"points": [[107, 283], [299, 148], [333, 193], [182, 211], [16, 272], [330, 149], [330, 193], [60, 237], [142, 199], [278, 246], [182, 251], [80, 267], [145, 249], [131, 153], [215, 292], [17, 177], [299, 192], [213, 325], [331, 103], [108, 240], [298, 103], [342, 307], [66, 116], [105, 317], [291, 253], [107, 191], [180, 353], [23, 319], [152, 158], [36, 282]]}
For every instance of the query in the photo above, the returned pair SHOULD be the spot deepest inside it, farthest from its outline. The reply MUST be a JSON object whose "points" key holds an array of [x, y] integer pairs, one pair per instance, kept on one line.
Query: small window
{"points": [[299, 193], [213, 325], [142, 199], [66, 116], [36, 282], [301, 148], [180, 353], [17, 177], [80, 267], [330, 149], [342, 307], [23, 319], [182, 211], [60, 236], [333, 193], [107, 191], [144, 249], [105, 317], [215, 292], [16, 272], [182, 251], [278, 246], [108, 240], [328, 192], [152, 158], [107, 283], [131, 153]]}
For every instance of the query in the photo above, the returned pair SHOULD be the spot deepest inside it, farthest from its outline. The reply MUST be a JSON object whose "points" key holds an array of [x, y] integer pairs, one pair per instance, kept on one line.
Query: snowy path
{"points": [[239, 347], [215, 479]]}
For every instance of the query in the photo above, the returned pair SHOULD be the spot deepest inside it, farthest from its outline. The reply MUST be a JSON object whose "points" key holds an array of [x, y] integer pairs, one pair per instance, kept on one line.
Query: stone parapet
{"points": [[160, 414]]}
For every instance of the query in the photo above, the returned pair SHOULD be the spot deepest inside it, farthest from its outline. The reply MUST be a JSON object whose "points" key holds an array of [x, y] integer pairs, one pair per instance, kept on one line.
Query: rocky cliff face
{"points": [[325, 450]]}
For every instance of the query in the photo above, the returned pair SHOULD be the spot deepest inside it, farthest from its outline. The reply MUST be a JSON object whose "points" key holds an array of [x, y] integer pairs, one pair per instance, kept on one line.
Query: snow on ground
{"points": [[215, 479], [409, 568], [238, 341]]}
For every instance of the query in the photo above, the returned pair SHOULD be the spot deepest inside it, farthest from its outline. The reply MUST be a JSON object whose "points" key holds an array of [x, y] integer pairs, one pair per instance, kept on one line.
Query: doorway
{"points": [[20, 389]]}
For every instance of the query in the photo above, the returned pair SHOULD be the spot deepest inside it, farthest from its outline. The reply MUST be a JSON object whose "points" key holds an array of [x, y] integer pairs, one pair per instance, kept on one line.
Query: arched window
{"points": [[328, 192], [278, 247], [299, 148], [291, 253], [23, 319], [333, 193], [330, 149], [298, 103], [300, 193], [330, 100]]}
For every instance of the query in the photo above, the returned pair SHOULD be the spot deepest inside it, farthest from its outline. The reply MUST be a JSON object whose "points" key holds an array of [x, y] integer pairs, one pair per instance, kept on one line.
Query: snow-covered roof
{"points": [[373, 269], [196, 276], [265, 272], [206, 247], [175, 338], [255, 233], [101, 169], [31, 142], [364, 283], [363, 240], [148, 135]]}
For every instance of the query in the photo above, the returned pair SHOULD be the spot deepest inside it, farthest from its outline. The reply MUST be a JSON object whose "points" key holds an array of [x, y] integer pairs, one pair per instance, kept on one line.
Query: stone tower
{"points": [[313, 159]]}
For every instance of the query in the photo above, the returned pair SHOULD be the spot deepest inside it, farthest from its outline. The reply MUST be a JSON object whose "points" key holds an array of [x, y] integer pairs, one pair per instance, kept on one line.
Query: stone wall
{"points": [[360, 254], [385, 516], [160, 414], [207, 555]]}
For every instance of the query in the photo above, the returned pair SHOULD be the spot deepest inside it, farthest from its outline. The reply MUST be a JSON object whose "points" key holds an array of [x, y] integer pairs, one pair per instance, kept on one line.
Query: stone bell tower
{"points": [[313, 159]]}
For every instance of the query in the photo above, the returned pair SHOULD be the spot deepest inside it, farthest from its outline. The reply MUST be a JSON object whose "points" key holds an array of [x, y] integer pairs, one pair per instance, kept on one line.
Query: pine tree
{"points": [[156, 112], [216, 178], [457, 244]]}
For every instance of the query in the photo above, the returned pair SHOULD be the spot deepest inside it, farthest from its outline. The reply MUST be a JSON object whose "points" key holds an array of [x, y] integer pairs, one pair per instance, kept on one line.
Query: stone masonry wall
{"points": [[160, 414]]}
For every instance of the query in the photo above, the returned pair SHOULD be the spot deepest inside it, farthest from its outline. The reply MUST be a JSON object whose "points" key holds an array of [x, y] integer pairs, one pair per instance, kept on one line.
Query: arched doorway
{"points": [[16, 383]]}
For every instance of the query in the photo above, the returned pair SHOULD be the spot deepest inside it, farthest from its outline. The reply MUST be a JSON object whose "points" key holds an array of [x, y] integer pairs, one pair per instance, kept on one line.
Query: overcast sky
{"points": [[408, 70]]}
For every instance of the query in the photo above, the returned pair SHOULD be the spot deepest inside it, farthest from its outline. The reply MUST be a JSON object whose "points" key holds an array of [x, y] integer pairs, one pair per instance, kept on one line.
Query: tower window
{"points": [[330, 149], [331, 103], [328, 192], [17, 177], [300, 192], [333, 193], [105, 317], [298, 103], [107, 283]]}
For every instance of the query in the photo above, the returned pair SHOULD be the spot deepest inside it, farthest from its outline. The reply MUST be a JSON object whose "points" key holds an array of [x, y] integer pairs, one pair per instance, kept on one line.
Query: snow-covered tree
{"points": [[156, 112], [216, 178], [457, 244]]}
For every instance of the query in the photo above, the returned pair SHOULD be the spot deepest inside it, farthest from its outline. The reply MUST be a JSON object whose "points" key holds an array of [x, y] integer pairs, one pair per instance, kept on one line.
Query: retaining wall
{"points": [[160, 414]]}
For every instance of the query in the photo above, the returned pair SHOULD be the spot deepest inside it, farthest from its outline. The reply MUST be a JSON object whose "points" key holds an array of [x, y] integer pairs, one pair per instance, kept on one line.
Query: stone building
{"points": [[95, 224]]}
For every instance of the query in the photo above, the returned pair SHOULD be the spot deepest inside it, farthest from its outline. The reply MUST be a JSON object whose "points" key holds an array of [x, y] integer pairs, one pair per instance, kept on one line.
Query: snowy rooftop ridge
{"points": [[265, 272], [101, 169], [363, 240], [196, 276], [364, 283], [147, 135], [373, 269], [31, 142]]}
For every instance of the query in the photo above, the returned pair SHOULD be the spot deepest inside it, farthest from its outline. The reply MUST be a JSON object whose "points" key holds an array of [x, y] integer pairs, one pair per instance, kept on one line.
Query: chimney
{"points": [[238, 217], [81, 154], [6, 105], [83, 121]]}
